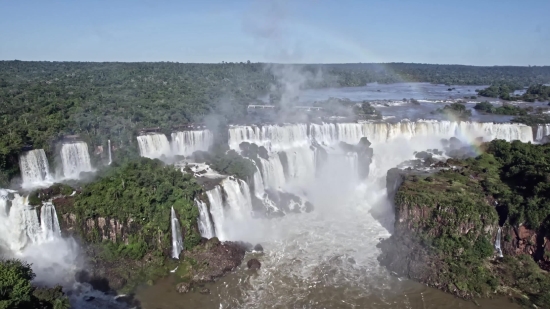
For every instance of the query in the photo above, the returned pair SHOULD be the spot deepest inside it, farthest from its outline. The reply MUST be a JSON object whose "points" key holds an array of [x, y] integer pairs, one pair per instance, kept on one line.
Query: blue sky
{"points": [[482, 32]]}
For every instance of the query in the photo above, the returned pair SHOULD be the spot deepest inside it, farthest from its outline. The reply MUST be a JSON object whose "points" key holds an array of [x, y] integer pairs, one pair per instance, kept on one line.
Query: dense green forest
{"points": [[16, 290], [140, 189], [538, 92], [506, 185], [41, 101], [505, 109]]}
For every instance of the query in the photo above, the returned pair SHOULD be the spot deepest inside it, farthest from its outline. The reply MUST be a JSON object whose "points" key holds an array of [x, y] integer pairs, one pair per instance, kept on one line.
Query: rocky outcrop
{"points": [[99, 229], [364, 155], [209, 261], [445, 228], [521, 240], [431, 228], [253, 264]]}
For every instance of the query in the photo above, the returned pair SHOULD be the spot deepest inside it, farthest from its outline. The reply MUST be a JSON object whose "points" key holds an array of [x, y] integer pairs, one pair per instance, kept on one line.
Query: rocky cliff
{"points": [[123, 221], [446, 222]]}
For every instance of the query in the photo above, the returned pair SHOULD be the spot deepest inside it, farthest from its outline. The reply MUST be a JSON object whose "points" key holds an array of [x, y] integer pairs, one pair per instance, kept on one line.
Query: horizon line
{"points": [[281, 63]]}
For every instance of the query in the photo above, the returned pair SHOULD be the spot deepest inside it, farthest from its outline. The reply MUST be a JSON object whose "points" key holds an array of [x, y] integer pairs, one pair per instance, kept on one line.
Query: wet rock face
{"points": [[253, 264], [216, 259], [364, 155], [258, 248], [183, 287], [521, 240]]}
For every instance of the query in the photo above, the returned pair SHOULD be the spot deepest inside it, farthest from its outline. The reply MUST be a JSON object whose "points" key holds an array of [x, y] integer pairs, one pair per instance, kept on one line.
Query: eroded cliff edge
{"points": [[122, 221], [447, 220]]}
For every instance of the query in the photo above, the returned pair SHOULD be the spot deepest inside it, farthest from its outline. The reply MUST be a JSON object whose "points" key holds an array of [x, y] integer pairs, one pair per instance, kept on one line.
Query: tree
{"points": [[15, 284]]}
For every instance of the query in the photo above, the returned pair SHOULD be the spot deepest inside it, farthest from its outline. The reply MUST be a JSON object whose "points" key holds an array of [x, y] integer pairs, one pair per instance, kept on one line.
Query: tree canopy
{"points": [[16, 290], [41, 101]]}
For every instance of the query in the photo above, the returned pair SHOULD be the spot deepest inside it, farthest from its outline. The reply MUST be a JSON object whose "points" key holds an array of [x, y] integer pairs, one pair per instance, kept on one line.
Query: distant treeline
{"points": [[504, 91], [39, 101]]}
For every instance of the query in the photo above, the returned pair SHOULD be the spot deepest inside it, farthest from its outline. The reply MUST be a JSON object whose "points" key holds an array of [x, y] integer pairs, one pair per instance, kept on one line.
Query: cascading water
{"points": [[19, 225], [542, 131], [259, 189], [497, 242], [319, 259], [110, 157], [186, 142], [49, 222], [54, 259], [296, 142], [272, 171], [206, 228], [35, 169], [215, 197], [177, 240], [75, 159], [329, 133], [231, 212], [153, 146]]}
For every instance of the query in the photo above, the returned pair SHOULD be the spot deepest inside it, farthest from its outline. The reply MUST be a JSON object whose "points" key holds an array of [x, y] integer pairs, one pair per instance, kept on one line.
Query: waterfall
{"points": [[215, 198], [497, 242], [206, 227], [177, 240], [75, 159], [110, 157], [49, 222], [231, 213], [542, 131], [186, 142], [299, 143], [272, 171], [34, 167], [19, 224], [329, 133], [259, 189], [272, 137], [153, 145]]}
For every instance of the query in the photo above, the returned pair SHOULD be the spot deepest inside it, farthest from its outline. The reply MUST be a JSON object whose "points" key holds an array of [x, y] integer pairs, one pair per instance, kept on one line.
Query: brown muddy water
{"points": [[323, 259], [238, 290]]}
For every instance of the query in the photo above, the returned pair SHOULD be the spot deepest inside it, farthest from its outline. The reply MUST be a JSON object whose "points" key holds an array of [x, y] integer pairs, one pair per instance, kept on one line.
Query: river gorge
{"points": [[317, 203]]}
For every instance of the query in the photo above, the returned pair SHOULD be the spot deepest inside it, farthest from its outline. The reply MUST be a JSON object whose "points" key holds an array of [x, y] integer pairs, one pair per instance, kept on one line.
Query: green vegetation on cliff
{"points": [[227, 162], [140, 194], [16, 290], [524, 190], [452, 216], [453, 201]]}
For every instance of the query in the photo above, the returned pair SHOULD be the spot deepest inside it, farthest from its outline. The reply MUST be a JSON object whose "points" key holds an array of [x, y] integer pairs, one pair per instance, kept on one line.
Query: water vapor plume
{"points": [[270, 24]]}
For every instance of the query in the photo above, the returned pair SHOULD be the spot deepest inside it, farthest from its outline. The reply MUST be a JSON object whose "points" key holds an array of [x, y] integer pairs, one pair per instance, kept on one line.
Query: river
{"points": [[326, 258]]}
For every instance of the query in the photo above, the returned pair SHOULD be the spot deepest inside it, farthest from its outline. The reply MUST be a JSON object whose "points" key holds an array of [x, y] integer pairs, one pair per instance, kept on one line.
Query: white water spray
{"points": [[497, 242], [75, 159], [230, 213], [110, 156], [542, 131], [186, 142], [35, 169], [206, 228], [154, 146], [49, 222], [177, 240]]}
